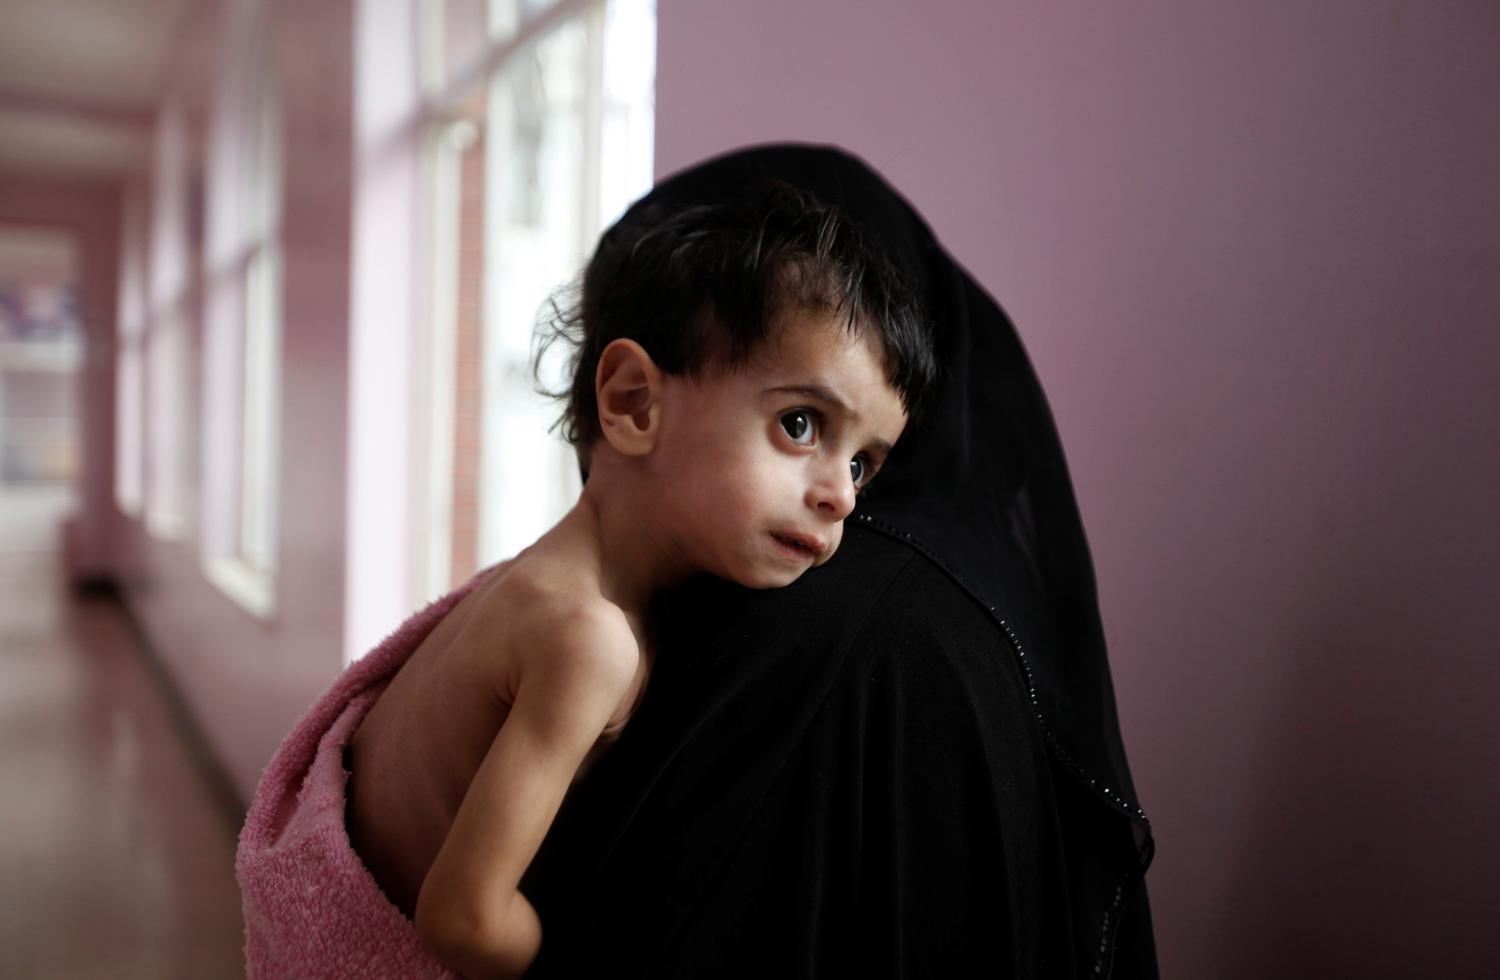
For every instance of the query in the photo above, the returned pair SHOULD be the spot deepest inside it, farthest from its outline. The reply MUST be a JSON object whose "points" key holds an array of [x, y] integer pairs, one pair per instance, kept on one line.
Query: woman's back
{"points": [[867, 793]]}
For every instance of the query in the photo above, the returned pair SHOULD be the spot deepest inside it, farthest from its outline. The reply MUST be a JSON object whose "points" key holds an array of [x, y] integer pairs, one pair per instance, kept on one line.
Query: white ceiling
{"points": [[79, 80]]}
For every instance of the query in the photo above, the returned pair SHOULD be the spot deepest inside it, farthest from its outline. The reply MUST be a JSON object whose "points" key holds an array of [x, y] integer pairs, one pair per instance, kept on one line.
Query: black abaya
{"points": [[908, 763]]}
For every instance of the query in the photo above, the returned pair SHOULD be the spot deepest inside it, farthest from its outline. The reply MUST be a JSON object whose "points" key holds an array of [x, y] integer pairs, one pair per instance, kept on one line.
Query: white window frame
{"points": [[242, 363], [447, 137], [400, 436], [130, 356], [166, 340]]}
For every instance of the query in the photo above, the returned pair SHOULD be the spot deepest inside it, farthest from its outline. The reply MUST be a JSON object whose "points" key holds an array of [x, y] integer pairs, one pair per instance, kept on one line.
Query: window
{"points": [[130, 363], [541, 135], [242, 331], [261, 341], [166, 339]]}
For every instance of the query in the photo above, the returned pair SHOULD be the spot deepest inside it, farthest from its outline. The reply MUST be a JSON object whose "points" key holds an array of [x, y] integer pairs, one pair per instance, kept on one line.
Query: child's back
{"points": [[416, 755]]}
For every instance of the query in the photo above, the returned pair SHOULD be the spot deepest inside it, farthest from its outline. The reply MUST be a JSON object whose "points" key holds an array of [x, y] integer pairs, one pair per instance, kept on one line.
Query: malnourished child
{"points": [[741, 373]]}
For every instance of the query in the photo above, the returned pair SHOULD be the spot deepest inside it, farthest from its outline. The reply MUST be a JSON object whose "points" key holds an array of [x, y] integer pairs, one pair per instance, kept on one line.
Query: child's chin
{"points": [[762, 579]]}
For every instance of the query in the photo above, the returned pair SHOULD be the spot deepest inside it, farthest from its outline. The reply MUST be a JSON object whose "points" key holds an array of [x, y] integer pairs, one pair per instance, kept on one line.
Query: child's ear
{"points": [[628, 386]]}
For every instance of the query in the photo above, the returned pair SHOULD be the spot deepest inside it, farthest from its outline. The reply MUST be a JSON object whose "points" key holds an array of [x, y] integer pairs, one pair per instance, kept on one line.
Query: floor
{"points": [[116, 855]]}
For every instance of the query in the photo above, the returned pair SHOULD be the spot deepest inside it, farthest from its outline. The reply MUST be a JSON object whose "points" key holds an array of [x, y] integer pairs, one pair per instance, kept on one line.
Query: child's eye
{"points": [[798, 425], [860, 470]]}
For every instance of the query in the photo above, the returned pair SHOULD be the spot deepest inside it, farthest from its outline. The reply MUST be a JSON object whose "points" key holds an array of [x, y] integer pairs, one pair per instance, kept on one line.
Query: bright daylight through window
{"points": [[542, 136]]}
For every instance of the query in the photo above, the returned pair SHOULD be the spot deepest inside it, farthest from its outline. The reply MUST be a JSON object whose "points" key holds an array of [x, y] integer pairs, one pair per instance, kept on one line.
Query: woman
{"points": [[909, 762]]}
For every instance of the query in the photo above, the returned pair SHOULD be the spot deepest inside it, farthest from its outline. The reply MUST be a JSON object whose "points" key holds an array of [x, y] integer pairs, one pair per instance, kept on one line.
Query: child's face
{"points": [[759, 466]]}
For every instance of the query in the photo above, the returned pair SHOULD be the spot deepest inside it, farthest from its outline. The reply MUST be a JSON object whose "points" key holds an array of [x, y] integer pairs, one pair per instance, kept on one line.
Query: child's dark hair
{"points": [[706, 285]]}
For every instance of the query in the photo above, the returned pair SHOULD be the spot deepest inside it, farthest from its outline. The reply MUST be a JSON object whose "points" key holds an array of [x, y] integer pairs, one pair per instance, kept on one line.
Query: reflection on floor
{"points": [[116, 858]]}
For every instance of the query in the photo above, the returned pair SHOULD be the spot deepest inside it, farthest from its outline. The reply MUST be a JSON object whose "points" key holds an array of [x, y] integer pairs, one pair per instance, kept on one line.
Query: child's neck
{"points": [[634, 562]]}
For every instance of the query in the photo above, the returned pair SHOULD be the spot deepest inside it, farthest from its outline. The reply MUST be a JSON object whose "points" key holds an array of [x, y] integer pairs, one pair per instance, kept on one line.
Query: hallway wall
{"points": [[89, 210], [1254, 252], [247, 679]]}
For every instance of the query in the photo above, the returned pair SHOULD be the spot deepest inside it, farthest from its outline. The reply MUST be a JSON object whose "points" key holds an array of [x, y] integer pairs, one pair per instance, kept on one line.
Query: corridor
{"points": [[116, 854]]}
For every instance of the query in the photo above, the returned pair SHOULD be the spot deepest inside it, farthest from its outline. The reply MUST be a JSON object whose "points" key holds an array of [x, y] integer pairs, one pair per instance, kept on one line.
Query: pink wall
{"points": [[248, 679], [90, 211], [1255, 255]]}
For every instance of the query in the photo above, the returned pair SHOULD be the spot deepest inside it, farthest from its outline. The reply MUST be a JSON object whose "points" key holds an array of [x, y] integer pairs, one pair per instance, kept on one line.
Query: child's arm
{"points": [[469, 910]]}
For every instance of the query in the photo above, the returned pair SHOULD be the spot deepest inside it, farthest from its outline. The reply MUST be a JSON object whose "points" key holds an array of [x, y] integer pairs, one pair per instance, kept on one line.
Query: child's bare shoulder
{"points": [[556, 626]]}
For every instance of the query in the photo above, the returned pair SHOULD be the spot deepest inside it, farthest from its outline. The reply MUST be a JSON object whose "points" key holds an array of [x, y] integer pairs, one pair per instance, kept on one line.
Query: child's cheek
{"points": [[742, 507]]}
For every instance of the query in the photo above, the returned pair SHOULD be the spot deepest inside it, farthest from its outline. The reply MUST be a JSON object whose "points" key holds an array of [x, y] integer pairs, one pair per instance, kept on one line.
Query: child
{"points": [[741, 373]]}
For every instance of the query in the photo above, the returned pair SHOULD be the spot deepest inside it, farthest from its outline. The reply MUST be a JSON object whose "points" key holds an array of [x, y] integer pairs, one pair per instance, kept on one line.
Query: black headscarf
{"points": [[764, 703]]}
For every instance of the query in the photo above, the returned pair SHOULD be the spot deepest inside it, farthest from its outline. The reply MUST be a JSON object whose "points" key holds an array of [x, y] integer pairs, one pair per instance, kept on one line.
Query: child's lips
{"points": [[805, 546]]}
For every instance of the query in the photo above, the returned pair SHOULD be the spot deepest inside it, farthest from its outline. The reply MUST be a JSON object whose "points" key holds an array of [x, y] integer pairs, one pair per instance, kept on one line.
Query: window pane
{"points": [[629, 110], [130, 368], [129, 426], [506, 16], [167, 390], [525, 172], [167, 355], [536, 235], [261, 415]]}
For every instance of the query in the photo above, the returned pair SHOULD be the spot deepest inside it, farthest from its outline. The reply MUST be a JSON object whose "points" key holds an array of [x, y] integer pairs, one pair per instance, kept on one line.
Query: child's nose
{"points": [[832, 492]]}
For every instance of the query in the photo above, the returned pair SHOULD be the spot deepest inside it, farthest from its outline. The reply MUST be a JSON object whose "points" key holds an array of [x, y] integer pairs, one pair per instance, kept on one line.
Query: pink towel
{"points": [[312, 908]]}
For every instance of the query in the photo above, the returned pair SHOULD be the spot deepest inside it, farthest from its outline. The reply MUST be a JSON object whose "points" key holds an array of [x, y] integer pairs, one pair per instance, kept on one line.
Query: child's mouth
{"points": [[797, 547]]}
